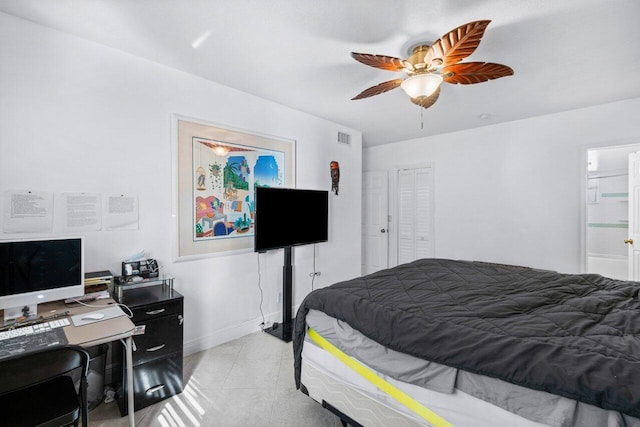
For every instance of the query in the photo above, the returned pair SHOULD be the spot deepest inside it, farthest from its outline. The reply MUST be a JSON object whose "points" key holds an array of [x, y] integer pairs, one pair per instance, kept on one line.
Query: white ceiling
{"points": [[566, 54]]}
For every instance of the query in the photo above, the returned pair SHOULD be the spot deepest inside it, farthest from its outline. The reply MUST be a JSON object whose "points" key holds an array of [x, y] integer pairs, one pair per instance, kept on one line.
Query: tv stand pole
{"points": [[284, 330]]}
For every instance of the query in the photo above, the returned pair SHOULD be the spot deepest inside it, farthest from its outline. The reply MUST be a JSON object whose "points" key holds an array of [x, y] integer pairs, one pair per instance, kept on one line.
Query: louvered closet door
{"points": [[415, 214]]}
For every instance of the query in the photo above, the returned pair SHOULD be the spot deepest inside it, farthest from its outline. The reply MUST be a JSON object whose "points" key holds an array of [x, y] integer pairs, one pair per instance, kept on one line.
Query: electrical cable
{"points": [[314, 266], [261, 293], [314, 273]]}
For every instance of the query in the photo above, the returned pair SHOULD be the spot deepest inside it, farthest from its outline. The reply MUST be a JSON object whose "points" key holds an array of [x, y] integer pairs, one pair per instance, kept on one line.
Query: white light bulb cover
{"points": [[421, 84]]}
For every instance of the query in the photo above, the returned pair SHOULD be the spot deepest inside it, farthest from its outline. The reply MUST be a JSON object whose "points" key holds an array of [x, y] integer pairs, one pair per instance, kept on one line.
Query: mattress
{"points": [[462, 398], [335, 385], [569, 341]]}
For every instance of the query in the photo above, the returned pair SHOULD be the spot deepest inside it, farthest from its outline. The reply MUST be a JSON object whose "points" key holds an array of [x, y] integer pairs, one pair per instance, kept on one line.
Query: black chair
{"points": [[39, 388]]}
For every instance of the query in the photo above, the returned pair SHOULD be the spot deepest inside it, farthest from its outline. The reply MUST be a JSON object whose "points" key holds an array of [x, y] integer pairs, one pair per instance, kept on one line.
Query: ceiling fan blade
{"points": [[457, 44], [383, 62], [378, 89], [427, 101], [474, 72]]}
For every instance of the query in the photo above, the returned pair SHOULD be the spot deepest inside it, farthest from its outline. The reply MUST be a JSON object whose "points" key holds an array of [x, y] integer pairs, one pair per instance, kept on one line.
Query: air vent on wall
{"points": [[344, 138]]}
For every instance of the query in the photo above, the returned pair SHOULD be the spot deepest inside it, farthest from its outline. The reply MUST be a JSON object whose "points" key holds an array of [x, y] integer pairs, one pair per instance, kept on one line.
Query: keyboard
{"points": [[33, 337], [34, 329]]}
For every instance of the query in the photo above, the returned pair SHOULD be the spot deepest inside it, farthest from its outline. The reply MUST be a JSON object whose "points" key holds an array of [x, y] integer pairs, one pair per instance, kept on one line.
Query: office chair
{"points": [[38, 388]]}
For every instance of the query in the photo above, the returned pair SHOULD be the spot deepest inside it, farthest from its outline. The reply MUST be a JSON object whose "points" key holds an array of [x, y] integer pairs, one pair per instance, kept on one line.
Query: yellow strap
{"points": [[431, 417]]}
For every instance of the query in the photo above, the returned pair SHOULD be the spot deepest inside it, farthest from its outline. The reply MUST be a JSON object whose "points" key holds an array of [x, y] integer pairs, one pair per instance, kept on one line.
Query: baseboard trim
{"points": [[230, 333]]}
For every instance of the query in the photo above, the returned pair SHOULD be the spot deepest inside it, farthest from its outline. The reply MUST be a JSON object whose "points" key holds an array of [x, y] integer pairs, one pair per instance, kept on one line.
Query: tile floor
{"points": [[247, 382]]}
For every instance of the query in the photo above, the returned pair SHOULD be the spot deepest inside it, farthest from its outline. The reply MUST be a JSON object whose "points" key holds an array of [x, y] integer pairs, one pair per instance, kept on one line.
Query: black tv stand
{"points": [[284, 330]]}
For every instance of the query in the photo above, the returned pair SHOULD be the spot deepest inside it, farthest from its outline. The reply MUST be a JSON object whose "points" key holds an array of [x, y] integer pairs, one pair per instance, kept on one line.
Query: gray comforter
{"points": [[571, 335]]}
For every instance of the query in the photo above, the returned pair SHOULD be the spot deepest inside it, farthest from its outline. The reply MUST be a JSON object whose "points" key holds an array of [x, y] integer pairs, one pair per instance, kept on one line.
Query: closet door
{"points": [[415, 214], [375, 222]]}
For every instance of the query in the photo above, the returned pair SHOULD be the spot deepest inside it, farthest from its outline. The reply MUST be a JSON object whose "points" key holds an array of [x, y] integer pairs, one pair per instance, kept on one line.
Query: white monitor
{"points": [[34, 271]]}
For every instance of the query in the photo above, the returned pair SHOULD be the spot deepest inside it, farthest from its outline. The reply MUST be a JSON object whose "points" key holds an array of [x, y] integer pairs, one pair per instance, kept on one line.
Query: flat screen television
{"points": [[34, 271], [290, 217]]}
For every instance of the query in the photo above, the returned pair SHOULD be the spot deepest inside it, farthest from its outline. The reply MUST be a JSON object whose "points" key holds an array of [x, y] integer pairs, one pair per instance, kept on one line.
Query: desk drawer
{"points": [[151, 311], [153, 382], [161, 337]]}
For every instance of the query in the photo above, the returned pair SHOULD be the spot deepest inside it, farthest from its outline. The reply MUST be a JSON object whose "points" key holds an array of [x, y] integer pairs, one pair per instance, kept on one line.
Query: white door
{"points": [[633, 240], [375, 242], [415, 214]]}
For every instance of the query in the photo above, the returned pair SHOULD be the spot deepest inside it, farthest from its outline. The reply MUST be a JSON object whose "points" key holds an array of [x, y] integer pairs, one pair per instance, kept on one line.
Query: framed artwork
{"points": [[216, 172]]}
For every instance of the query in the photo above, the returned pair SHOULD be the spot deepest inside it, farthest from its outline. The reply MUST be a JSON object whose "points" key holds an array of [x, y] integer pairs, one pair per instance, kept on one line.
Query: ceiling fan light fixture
{"points": [[421, 84]]}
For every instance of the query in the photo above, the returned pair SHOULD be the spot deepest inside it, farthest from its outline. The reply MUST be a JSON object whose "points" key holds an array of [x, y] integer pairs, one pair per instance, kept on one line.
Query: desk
{"points": [[100, 332]]}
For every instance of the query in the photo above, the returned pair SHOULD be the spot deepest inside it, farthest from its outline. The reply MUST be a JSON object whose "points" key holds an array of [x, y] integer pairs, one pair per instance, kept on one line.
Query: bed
{"points": [[448, 342]]}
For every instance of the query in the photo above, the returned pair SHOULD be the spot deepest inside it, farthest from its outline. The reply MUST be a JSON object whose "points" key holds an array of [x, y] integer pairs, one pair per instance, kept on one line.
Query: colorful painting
{"points": [[224, 206], [267, 172], [217, 172]]}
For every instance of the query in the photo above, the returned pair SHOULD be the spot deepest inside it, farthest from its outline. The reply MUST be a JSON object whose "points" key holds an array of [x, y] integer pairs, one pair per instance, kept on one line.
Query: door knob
{"points": [[383, 231], [628, 241]]}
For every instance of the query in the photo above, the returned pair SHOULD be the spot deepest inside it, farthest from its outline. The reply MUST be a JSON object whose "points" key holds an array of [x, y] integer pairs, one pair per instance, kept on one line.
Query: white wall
{"points": [[513, 192], [76, 116]]}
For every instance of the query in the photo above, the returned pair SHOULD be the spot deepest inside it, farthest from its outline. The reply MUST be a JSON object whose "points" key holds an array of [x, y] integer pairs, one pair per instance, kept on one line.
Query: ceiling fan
{"points": [[429, 65]]}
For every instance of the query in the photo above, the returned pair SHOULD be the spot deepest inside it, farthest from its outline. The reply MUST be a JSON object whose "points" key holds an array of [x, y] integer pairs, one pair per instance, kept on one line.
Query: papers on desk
{"points": [[87, 298], [97, 279], [108, 312]]}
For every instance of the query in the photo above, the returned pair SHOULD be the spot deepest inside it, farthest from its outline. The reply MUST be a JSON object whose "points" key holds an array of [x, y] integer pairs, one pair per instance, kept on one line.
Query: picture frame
{"points": [[216, 169]]}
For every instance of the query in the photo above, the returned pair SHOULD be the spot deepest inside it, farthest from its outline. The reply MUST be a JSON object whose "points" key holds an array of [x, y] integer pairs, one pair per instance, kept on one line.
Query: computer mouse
{"points": [[93, 316]]}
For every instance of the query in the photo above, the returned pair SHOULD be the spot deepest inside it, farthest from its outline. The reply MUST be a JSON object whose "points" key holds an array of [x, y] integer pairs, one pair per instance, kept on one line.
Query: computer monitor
{"points": [[34, 271]]}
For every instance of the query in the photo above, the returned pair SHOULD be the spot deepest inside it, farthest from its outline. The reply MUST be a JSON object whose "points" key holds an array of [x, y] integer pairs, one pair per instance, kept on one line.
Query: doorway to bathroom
{"points": [[608, 211]]}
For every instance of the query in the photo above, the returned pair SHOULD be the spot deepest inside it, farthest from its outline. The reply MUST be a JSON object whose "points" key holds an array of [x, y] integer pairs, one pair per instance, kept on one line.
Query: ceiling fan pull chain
{"points": [[421, 118]]}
